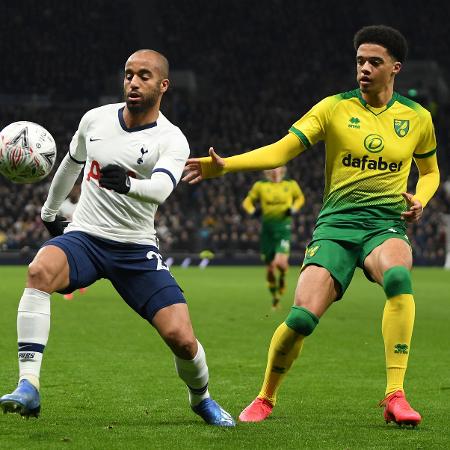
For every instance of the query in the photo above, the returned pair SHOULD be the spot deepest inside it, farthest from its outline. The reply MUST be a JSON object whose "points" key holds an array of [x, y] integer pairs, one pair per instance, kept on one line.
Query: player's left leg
{"points": [[174, 326], [145, 283], [267, 250], [271, 279], [389, 265], [281, 261], [327, 270]]}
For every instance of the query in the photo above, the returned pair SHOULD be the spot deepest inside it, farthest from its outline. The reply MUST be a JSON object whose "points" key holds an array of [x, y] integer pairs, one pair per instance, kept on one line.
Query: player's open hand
{"points": [[198, 169], [415, 209]]}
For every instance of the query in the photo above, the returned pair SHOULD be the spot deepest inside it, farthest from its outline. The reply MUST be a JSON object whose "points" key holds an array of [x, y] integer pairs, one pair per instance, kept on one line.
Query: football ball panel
{"points": [[27, 152]]}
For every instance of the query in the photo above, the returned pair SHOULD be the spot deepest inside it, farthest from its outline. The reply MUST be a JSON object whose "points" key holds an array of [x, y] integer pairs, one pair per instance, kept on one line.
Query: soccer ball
{"points": [[27, 152]]}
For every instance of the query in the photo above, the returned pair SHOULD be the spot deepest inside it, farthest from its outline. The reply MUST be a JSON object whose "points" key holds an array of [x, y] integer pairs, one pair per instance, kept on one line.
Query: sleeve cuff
{"points": [[424, 155], [301, 136], [47, 214]]}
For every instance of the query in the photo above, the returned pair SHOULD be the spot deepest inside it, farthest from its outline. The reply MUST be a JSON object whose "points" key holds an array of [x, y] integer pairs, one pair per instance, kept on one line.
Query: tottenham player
{"points": [[133, 158]]}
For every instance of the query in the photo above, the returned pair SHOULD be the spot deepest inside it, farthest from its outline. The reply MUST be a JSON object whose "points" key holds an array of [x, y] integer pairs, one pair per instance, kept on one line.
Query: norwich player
{"points": [[279, 198], [371, 136]]}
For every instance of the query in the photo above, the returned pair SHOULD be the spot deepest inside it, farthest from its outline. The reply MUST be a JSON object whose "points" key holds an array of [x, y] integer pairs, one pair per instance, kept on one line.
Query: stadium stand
{"points": [[255, 77]]}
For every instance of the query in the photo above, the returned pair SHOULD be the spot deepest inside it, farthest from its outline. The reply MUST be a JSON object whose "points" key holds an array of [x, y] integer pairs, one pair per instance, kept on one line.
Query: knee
{"points": [[183, 344], [301, 320], [39, 276], [396, 281], [280, 262]]}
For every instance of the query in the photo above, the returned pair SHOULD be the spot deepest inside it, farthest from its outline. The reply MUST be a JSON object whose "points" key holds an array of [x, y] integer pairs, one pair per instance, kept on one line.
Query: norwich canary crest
{"points": [[401, 127]]}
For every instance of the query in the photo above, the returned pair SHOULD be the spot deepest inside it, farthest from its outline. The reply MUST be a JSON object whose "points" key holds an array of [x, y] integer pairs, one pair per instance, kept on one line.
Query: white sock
{"points": [[33, 327], [194, 372]]}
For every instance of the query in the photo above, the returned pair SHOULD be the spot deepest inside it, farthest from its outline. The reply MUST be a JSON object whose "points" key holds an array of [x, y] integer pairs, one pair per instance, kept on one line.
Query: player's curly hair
{"points": [[389, 38]]}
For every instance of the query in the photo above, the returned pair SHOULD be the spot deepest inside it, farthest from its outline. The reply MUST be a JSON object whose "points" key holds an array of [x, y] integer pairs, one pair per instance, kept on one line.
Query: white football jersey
{"points": [[67, 209], [102, 138]]}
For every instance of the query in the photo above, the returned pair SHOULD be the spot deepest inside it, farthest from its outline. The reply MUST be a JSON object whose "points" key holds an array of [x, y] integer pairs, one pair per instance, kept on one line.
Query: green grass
{"points": [[108, 381]]}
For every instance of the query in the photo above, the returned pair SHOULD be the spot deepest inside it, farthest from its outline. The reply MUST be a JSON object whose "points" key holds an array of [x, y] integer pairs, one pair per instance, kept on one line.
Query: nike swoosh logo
{"points": [[95, 139], [23, 347]]}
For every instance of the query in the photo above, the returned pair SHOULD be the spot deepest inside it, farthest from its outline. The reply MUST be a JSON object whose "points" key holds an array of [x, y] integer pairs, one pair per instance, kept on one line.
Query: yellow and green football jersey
{"points": [[368, 152], [275, 198]]}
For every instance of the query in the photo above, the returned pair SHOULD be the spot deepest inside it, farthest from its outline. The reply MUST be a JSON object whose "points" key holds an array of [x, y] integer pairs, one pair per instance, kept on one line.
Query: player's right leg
{"points": [[327, 270], [316, 290], [48, 273]]}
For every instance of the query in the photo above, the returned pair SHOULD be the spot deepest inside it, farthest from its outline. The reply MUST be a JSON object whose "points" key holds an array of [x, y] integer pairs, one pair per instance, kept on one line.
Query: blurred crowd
{"points": [[257, 70]]}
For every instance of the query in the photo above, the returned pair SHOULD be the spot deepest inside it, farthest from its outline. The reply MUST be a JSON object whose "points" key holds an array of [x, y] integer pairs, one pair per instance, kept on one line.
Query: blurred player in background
{"points": [[371, 136], [279, 199], [133, 158], [66, 211]]}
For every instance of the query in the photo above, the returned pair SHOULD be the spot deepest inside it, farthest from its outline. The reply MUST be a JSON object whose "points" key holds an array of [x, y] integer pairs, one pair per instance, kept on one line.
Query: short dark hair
{"points": [[389, 38]]}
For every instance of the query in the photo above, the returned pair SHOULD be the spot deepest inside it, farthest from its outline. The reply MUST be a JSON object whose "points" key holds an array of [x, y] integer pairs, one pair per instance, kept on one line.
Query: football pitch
{"points": [[108, 381]]}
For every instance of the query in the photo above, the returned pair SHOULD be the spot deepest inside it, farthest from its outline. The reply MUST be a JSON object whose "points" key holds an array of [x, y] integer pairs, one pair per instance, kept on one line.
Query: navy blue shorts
{"points": [[136, 271]]}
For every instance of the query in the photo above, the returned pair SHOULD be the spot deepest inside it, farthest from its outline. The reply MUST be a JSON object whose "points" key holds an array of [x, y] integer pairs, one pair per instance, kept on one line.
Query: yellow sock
{"points": [[397, 327], [284, 348]]}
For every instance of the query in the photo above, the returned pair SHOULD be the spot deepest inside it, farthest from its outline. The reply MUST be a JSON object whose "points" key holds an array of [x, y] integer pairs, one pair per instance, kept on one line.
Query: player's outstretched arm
{"points": [[268, 157]]}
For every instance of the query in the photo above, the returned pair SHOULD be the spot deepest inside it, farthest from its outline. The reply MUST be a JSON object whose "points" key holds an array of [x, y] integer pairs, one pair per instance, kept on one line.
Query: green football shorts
{"points": [[341, 249], [275, 238]]}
